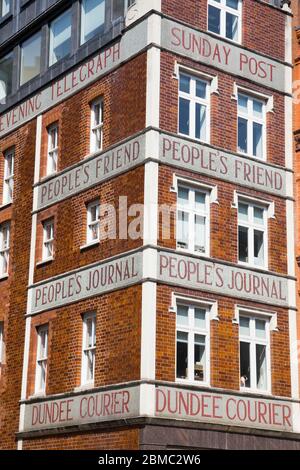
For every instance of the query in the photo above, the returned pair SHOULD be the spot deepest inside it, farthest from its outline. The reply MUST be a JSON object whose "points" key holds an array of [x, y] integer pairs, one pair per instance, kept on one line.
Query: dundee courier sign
{"points": [[227, 57], [169, 402], [82, 409], [217, 408]]}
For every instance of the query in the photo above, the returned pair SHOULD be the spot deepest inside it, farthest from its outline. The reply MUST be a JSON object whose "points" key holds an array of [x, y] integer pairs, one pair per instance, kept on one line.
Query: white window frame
{"points": [[52, 152], [191, 331], [224, 9], [90, 224], [251, 226], [253, 341], [41, 360], [48, 241], [4, 248], [95, 128], [52, 59], [8, 180], [251, 119], [193, 99], [210, 196], [86, 350], [1, 343]]}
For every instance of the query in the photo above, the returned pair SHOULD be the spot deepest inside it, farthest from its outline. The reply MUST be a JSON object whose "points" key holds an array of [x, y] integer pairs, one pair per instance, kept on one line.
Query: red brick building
{"points": [[148, 289]]}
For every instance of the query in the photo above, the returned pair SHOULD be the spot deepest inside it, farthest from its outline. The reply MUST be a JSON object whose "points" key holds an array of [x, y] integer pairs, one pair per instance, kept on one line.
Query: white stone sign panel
{"points": [[206, 275], [206, 160], [220, 408], [89, 172], [88, 282], [76, 410], [229, 58]]}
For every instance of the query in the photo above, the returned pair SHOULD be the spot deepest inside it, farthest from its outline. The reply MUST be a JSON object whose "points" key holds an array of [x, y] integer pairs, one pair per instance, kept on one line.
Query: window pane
{"points": [[258, 248], [182, 315], [182, 355], [94, 210], [93, 18], [97, 113], [242, 135], [61, 37], [244, 326], [214, 19], [118, 8], [261, 367], [232, 4], [200, 318], [4, 7], [258, 109], [231, 26], [200, 131], [199, 358], [200, 234], [183, 196], [201, 89], [184, 116], [182, 229], [184, 83], [257, 140], [258, 215], [245, 364], [243, 211], [200, 201], [243, 244], [260, 329], [31, 58], [243, 104], [6, 69], [90, 365]]}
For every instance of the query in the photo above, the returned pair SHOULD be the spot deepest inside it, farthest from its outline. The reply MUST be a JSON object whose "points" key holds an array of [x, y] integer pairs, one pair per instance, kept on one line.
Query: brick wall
{"points": [[223, 220], [124, 439], [223, 108], [224, 354], [14, 300], [118, 331], [124, 113], [70, 225]]}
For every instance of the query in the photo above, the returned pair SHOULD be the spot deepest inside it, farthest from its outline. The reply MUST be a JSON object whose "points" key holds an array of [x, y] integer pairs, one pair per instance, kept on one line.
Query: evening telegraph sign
{"points": [[188, 42]]}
